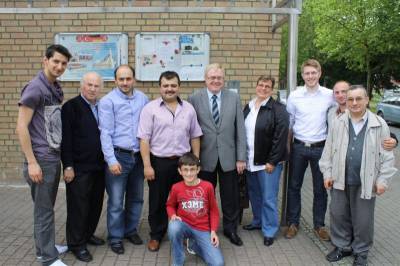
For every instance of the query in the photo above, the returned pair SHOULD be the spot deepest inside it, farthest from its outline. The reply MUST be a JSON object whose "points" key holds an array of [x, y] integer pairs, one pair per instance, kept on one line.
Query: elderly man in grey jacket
{"points": [[357, 167]]}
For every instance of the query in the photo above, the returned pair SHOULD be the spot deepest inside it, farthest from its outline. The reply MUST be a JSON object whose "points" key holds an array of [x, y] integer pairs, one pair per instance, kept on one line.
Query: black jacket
{"points": [[80, 146], [271, 133]]}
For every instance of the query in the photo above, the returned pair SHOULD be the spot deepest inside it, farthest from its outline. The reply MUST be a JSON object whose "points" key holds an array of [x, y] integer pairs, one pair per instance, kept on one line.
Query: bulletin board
{"points": [[186, 53], [98, 52]]}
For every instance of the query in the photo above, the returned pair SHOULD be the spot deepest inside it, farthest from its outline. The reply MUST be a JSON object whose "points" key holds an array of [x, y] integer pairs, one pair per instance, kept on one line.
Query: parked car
{"points": [[389, 109]]}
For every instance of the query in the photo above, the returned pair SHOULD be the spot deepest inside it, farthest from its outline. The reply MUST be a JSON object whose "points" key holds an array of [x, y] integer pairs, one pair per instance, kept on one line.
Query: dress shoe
{"points": [[82, 255], [291, 231], [322, 233], [234, 238], [360, 259], [153, 245], [268, 241], [251, 227], [95, 241], [135, 239], [117, 248], [337, 254]]}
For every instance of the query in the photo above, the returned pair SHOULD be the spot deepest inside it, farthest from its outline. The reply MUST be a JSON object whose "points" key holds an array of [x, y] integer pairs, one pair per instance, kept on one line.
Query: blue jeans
{"points": [[122, 221], [263, 193], [299, 159], [44, 197], [179, 230]]}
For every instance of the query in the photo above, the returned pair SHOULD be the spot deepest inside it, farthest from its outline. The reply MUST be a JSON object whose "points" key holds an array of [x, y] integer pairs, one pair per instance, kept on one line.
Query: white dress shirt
{"points": [[357, 126], [308, 113], [250, 124]]}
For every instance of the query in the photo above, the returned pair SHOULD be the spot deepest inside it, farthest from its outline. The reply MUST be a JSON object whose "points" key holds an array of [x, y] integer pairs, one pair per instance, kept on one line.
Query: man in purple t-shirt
{"points": [[39, 133]]}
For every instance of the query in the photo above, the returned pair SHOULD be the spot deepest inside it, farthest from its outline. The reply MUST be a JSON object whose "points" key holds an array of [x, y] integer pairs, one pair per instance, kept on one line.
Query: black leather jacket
{"points": [[271, 133]]}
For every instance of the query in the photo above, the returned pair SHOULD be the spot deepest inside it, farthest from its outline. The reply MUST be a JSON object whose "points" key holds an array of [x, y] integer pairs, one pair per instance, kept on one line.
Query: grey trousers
{"points": [[44, 196], [352, 219]]}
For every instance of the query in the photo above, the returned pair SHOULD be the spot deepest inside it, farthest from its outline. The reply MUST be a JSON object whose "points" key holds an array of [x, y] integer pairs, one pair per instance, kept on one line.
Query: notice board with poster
{"points": [[98, 52], [186, 53]]}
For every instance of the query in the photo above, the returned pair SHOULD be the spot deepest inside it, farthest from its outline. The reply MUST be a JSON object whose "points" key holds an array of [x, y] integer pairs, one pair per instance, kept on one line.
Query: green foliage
{"points": [[357, 40]]}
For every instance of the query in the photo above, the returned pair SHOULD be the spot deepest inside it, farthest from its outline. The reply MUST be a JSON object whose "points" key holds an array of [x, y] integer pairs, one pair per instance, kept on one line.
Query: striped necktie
{"points": [[215, 112]]}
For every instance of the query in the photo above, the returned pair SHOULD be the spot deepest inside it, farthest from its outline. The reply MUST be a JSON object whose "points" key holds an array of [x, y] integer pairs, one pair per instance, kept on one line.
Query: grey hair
{"points": [[213, 66], [91, 73], [356, 87]]}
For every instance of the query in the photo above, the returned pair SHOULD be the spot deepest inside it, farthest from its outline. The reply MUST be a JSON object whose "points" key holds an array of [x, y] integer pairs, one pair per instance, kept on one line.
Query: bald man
{"points": [[83, 164], [340, 93]]}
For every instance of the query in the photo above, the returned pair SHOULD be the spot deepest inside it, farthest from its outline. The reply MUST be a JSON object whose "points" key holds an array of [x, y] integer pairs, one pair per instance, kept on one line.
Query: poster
{"points": [[185, 53], [98, 52]]}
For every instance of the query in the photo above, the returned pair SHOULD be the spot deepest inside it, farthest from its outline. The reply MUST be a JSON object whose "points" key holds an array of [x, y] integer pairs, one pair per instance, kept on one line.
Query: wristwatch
{"points": [[69, 168]]}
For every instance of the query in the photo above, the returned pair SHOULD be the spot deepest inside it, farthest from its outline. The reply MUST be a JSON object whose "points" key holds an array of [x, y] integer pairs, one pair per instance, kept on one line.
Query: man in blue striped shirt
{"points": [[119, 112]]}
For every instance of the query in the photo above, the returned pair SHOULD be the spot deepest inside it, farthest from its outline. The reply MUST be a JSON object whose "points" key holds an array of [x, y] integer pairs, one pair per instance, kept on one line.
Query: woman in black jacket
{"points": [[267, 125]]}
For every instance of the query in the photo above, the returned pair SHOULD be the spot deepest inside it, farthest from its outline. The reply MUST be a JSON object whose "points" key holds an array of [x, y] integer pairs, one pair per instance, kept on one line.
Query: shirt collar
{"points": [[123, 95], [305, 91], [210, 94], [91, 104], [363, 119], [161, 101], [253, 102]]}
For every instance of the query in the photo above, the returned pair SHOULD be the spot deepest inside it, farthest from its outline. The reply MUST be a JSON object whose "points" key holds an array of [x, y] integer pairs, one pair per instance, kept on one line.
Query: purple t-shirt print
{"points": [[45, 128]]}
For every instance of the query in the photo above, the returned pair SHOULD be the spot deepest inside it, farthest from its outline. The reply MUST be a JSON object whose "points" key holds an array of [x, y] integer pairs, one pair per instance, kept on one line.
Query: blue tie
{"points": [[215, 112]]}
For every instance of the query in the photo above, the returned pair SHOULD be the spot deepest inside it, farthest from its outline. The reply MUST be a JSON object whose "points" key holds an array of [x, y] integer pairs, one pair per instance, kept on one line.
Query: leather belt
{"points": [[174, 157], [310, 144], [117, 149]]}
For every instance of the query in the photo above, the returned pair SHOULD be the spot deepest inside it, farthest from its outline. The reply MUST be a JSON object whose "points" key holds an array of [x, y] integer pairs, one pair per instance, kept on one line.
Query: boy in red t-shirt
{"points": [[193, 213]]}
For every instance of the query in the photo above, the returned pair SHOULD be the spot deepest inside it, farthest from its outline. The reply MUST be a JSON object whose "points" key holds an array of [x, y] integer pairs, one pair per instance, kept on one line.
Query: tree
{"points": [[358, 32]]}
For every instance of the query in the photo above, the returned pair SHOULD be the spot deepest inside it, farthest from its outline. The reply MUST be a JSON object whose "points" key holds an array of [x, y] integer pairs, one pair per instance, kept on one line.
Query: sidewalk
{"points": [[16, 241]]}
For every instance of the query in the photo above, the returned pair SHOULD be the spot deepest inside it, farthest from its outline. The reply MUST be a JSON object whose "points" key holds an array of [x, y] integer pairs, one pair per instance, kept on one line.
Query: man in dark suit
{"points": [[83, 164], [223, 144]]}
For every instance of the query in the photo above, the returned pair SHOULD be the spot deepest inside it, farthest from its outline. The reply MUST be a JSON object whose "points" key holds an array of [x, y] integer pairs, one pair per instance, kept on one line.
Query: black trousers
{"points": [[229, 194], [166, 174], [84, 204]]}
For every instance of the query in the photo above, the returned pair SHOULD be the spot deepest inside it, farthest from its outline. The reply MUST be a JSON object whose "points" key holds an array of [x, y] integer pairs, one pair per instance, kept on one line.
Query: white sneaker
{"points": [[189, 245], [61, 249], [58, 263]]}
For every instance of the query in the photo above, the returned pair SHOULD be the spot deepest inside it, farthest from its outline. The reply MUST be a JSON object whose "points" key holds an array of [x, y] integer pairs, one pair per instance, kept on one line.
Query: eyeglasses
{"points": [[312, 73], [357, 99], [215, 78]]}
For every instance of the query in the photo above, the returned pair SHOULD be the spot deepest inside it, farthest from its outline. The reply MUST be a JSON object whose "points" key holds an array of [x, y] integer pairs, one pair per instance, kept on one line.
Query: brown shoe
{"points": [[322, 233], [291, 231], [153, 245]]}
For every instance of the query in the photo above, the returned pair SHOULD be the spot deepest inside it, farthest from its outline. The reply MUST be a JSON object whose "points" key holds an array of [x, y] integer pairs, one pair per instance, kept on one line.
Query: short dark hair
{"points": [[188, 159], [265, 78], [118, 67], [169, 75], [59, 49]]}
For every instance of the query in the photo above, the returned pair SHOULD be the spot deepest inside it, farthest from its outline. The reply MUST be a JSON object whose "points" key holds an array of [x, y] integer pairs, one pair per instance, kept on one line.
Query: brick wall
{"points": [[243, 43]]}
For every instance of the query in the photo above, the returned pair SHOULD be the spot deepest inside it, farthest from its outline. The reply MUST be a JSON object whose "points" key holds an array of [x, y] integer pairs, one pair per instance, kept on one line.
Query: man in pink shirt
{"points": [[168, 128]]}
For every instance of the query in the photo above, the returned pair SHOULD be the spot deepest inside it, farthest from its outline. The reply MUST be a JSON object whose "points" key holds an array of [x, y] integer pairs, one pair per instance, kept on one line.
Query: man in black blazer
{"points": [[83, 164]]}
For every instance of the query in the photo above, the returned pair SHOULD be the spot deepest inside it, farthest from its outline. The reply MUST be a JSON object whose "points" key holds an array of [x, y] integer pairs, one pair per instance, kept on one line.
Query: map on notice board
{"points": [[98, 52], [185, 53]]}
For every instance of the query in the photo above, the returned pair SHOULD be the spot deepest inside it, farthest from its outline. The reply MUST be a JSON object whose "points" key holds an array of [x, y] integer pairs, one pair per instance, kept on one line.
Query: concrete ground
{"points": [[16, 241]]}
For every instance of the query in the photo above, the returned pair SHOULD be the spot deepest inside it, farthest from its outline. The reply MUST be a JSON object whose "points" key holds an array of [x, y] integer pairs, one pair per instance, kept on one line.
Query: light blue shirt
{"points": [[93, 107], [118, 122], [210, 100]]}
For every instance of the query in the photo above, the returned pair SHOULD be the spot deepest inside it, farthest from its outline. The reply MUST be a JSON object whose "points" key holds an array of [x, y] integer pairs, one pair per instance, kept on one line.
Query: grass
{"points": [[374, 101]]}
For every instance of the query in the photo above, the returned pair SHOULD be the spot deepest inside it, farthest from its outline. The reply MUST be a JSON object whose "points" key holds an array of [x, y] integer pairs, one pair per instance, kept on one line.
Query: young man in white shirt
{"points": [[307, 107]]}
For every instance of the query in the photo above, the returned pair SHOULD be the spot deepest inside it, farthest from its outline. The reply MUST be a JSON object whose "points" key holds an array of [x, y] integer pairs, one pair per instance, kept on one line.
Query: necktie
{"points": [[215, 112]]}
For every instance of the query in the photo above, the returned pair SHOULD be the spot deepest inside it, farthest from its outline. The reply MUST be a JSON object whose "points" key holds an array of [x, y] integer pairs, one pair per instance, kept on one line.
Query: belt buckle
{"points": [[307, 144]]}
